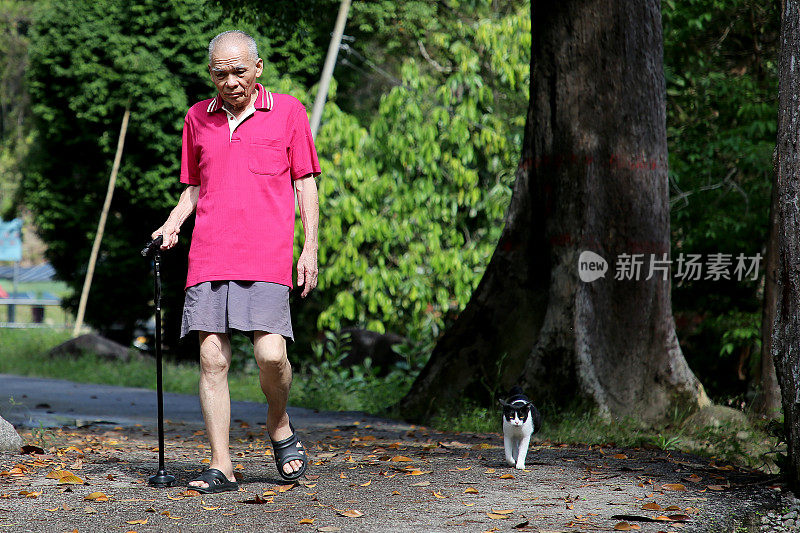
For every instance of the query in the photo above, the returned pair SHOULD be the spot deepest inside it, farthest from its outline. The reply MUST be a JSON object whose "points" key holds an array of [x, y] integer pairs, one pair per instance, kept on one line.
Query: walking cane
{"points": [[161, 478]]}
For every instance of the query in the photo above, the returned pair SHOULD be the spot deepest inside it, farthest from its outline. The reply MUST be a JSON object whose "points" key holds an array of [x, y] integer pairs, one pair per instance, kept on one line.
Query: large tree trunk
{"points": [[786, 325], [592, 176]]}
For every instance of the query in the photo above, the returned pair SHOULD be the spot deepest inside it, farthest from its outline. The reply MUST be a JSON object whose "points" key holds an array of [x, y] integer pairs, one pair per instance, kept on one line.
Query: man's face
{"points": [[234, 73]]}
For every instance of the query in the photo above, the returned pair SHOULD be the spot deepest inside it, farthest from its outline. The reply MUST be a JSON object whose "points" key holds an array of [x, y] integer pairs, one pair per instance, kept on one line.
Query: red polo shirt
{"points": [[244, 224]]}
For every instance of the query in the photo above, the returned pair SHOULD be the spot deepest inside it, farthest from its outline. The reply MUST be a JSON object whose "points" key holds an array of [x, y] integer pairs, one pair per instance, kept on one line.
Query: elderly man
{"points": [[242, 153]]}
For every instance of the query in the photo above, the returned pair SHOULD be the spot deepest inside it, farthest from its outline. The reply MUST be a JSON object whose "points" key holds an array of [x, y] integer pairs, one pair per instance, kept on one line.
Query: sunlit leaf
{"points": [[350, 513], [71, 480]]}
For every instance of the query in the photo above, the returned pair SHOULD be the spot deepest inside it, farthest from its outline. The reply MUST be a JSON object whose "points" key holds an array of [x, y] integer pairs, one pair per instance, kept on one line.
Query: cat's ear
{"points": [[504, 404]]}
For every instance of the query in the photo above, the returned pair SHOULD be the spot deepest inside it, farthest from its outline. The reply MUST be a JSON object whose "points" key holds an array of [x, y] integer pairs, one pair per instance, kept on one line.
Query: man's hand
{"points": [[170, 232], [307, 270], [172, 227]]}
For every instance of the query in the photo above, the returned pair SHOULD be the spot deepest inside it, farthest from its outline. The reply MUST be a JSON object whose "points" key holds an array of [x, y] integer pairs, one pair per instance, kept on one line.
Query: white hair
{"points": [[252, 48]]}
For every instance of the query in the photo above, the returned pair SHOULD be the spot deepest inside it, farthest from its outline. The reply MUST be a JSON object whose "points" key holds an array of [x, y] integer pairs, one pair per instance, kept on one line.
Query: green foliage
{"points": [[414, 204], [15, 130], [325, 383]]}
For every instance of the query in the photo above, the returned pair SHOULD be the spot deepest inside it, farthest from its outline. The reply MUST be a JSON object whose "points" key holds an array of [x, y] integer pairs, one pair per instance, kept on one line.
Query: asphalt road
{"points": [[40, 402]]}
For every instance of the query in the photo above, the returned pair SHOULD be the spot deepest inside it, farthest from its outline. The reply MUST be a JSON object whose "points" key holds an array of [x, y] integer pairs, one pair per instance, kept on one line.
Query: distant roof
{"points": [[43, 272]]}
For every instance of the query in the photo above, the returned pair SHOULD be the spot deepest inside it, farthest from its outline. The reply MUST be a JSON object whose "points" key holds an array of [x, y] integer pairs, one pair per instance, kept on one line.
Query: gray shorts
{"points": [[220, 306]]}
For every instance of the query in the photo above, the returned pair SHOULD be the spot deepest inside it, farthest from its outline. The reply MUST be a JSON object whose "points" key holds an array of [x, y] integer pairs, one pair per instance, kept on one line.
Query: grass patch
{"points": [[753, 444]]}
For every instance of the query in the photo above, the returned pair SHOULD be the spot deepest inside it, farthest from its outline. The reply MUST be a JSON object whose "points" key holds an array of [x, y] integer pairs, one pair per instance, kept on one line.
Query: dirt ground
{"points": [[369, 477]]}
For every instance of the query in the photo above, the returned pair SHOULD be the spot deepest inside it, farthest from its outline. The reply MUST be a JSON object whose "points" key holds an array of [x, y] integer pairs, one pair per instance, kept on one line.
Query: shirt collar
{"points": [[264, 100]]}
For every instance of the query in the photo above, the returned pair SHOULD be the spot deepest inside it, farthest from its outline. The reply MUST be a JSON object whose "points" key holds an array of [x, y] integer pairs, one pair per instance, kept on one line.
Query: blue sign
{"points": [[11, 240]]}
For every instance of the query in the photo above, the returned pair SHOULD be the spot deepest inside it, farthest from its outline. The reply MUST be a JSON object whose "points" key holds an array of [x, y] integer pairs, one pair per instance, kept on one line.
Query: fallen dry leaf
{"points": [[440, 495], [141, 522], [497, 516], [471, 490], [306, 521], [489, 471], [367, 484], [349, 513], [58, 474], [401, 458], [507, 476], [329, 529], [620, 456], [694, 478], [673, 486], [70, 480], [96, 496], [625, 526], [652, 506], [421, 484], [503, 511], [716, 487], [284, 488]]}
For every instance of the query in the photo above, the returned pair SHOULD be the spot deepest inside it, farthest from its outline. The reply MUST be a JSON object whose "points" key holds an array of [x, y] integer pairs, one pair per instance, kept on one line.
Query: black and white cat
{"points": [[521, 419]]}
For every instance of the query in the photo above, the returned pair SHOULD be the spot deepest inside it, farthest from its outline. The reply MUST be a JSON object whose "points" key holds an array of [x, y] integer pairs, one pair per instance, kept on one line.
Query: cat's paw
{"points": [[520, 466], [511, 462]]}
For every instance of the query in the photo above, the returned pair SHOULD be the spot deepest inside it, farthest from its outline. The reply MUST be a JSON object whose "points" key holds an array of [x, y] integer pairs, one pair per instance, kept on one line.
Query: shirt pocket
{"points": [[267, 156]]}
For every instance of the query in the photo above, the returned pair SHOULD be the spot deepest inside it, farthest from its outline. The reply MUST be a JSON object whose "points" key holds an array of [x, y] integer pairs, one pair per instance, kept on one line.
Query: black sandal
{"points": [[216, 480], [287, 450]]}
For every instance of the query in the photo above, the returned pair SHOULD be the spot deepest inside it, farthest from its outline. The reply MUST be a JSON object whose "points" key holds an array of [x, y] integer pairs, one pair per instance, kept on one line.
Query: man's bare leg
{"points": [[215, 400], [275, 377]]}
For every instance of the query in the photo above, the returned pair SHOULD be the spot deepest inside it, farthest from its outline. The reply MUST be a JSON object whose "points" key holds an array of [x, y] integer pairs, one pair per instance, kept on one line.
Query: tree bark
{"points": [[592, 176], [786, 325], [768, 400]]}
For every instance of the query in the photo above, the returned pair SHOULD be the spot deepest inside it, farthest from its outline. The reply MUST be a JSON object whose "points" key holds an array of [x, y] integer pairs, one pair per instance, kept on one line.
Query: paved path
{"points": [[367, 474], [40, 402]]}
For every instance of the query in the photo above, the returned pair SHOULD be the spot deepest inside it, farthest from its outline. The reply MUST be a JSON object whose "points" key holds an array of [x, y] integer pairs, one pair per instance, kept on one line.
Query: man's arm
{"points": [[172, 227], [308, 200]]}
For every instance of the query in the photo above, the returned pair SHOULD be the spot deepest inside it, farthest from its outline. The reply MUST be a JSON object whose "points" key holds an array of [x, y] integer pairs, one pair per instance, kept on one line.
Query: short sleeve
{"points": [[190, 174], [302, 153]]}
